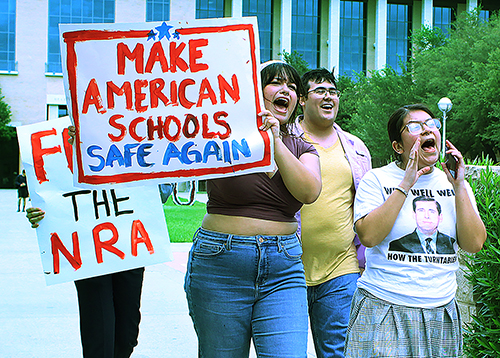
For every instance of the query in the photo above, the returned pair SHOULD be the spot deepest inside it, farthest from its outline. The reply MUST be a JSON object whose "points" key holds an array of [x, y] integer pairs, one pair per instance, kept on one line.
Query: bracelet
{"points": [[402, 190]]}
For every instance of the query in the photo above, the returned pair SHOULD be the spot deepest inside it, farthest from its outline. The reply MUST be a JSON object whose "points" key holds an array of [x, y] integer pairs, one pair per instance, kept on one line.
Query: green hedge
{"points": [[482, 337]]}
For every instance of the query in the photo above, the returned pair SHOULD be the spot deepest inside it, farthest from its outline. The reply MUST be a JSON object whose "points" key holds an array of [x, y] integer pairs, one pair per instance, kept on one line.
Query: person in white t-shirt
{"points": [[405, 302]]}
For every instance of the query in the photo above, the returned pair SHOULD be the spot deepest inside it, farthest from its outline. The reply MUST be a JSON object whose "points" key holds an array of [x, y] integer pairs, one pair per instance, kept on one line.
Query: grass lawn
{"points": [[183, 221]]}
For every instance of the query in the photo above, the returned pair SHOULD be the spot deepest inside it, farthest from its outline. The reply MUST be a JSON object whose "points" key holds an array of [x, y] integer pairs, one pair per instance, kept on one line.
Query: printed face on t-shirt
{"points": [[427, 216]]}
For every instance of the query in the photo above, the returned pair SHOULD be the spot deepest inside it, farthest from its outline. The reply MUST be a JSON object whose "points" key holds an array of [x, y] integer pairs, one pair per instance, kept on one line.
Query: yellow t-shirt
{"points": [[327, 224]]}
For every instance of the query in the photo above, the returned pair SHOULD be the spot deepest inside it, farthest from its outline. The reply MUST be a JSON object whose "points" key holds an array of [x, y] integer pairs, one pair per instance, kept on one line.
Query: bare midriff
{"points": [[243, 226]]}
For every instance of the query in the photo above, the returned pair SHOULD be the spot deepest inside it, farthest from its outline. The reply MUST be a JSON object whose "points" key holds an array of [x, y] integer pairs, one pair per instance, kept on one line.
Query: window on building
{"points": [[352, 37], [263, 9], [208, 9], [305, 30], [8, 35], [443, 18], [398, 35], [157, 10], [73, 12], [485, 15]]}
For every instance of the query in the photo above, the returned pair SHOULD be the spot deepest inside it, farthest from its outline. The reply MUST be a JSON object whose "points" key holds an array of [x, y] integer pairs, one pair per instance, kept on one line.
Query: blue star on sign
{"points": [[151, 35], [163, 31]]}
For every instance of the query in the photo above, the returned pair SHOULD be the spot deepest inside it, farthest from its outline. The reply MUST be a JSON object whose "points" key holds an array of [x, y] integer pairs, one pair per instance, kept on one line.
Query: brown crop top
{"points": [[256, 195]]}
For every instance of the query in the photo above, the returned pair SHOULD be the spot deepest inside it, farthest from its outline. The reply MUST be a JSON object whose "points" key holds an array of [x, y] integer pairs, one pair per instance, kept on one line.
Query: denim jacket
{"points": [[359, 158]]}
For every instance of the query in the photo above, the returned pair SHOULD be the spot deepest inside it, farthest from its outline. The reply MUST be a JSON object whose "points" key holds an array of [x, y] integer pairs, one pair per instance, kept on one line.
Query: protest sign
{"points": [[87, 233], [171, 100]]}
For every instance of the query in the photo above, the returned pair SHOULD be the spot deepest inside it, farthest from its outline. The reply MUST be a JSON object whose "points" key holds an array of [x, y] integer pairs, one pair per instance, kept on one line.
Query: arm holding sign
{"points": [[302, 176]]}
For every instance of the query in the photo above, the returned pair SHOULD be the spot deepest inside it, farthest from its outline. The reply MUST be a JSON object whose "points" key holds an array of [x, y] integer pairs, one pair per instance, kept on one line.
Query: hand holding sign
{"points": [[86, 233], [154, 101], [35, 215]]}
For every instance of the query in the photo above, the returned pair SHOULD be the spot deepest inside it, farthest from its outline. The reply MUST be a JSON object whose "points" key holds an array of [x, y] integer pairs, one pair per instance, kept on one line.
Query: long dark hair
{"points": [[282, 69]]}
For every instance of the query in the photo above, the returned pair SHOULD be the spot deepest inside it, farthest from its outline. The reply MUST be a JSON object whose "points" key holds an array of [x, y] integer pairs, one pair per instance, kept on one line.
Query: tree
{"points": [[6, 132], [466, 69], [296, 60], [368, 101], [427, 38]]}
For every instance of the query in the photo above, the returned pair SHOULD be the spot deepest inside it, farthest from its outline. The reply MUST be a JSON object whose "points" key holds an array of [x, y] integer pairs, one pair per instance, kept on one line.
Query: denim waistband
{"points": [[223, 237]]}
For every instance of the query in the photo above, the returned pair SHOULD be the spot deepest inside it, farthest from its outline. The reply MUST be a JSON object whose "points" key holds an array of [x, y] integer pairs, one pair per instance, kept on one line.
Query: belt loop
{"points": [[228, 242], [279, 243], [298, 237]]}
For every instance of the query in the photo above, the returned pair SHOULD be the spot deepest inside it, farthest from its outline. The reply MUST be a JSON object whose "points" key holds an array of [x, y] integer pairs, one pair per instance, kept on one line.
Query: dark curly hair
{"points": [[317, 75]]}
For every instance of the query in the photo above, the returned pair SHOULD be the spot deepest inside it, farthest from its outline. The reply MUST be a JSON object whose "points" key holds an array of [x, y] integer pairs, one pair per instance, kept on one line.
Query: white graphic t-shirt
{"points": [[415, 264]]}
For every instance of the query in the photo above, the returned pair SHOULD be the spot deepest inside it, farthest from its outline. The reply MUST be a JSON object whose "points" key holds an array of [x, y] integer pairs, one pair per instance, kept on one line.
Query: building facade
{"points": [[349, 36]]}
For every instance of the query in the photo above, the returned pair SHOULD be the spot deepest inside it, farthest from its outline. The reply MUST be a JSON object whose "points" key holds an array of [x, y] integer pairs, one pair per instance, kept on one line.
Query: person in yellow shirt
{"points": [[332, 253]]}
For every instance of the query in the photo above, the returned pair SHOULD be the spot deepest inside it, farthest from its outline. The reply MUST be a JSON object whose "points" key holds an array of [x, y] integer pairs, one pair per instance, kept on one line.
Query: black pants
{"points": [[109, 313]]}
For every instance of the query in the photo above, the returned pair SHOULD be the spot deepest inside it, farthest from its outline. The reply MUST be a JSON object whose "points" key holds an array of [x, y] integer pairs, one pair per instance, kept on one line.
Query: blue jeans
{"points": [[247, 287], [329, 307]]}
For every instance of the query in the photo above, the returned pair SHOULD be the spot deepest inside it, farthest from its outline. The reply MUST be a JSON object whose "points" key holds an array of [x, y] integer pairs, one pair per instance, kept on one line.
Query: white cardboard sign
{"points": [[171, 100], [87, 233]]}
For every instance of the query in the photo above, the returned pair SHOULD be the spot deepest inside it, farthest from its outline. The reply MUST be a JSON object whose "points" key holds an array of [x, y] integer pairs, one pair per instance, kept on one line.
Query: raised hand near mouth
{"points": [[412, 173]]}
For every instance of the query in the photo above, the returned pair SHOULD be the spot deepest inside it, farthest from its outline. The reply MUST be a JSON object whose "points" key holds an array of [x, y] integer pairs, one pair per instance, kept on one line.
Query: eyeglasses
{"points": [[418, 127], [321, 91]]}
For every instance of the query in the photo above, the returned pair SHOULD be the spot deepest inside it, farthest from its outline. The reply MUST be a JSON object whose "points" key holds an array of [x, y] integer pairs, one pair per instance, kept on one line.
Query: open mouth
{"points": [[327, 106], [281, 104], [429, 145]]}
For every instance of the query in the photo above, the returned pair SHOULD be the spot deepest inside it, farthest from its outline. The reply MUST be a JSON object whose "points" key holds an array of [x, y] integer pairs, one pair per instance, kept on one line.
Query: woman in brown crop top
{"points": [[299, 172], [245, 278]]}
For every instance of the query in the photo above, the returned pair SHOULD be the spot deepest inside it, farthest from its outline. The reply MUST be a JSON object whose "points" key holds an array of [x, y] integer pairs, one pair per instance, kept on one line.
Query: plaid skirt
{"points": [[378, 328]]}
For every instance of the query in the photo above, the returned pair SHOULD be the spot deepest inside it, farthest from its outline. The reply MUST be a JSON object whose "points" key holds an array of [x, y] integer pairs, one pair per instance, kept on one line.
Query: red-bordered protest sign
{"points": [[165, 101], [87, 233]]}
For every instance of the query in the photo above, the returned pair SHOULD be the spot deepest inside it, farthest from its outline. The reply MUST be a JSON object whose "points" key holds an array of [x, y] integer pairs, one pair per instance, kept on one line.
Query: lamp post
{"points": [[444, 106]]}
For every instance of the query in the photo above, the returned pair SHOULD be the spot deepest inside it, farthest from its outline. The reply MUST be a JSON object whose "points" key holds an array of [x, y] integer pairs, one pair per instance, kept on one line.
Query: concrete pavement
{"points": [[39, 321]]}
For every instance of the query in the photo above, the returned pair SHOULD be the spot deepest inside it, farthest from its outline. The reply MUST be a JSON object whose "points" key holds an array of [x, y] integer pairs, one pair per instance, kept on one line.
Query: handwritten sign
{"points": [[87, 233], [164, 100]]}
